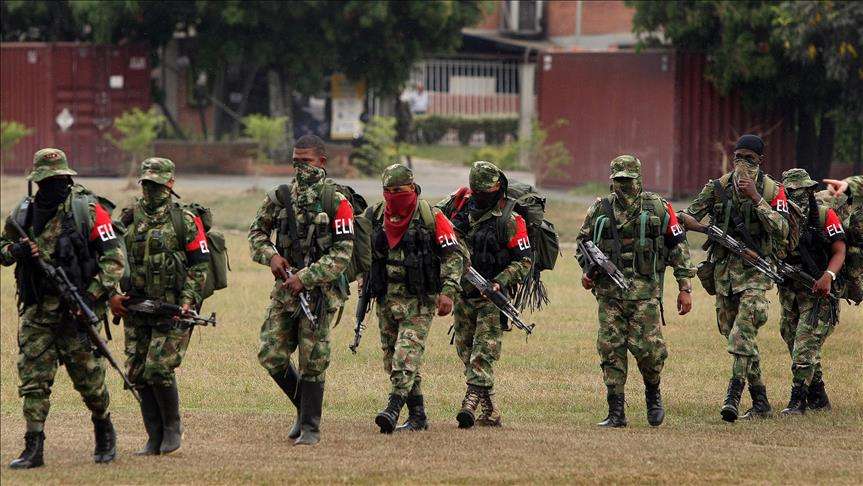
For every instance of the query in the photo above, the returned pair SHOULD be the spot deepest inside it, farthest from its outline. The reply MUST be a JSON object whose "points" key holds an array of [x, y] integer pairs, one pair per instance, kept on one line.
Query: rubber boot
{"points": [[490, 414], [731, 408], [31, 456], [152, 421], [760, 406], [616, 411], [817, 399], [655, 409], [310, 412], [467, 415], [106, 440], [797, 403], [289, 382], [416, 415], [388, 418], [168, 398]]}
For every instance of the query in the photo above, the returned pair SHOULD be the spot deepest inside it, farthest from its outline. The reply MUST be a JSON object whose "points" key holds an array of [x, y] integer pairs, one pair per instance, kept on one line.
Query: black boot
{"points": [[289, 382], [106, 440], [616, 411], [731, 407], [310, 412], [817, 398], [797, 403], [168, 398], [152, 421], [34, 444], [467, 415], [653, 399], [416, 415], [760, 406], [388, 418]]}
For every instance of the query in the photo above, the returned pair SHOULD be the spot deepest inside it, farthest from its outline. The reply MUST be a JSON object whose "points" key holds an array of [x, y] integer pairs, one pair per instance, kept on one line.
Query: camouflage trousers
{"points": [[739, 316], [153, 351], [804, 340], [41, 348], [404, 322], [287, 330], [631, 325], [477, 338]]}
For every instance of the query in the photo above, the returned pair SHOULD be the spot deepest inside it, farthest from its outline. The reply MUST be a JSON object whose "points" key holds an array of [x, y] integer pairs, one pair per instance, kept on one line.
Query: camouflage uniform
{"points": [[854, 259], [286, 328], [803, 332], [162, 268], [403, 317], [741, 304], [478, 324], [48, 336], [630, 320]]}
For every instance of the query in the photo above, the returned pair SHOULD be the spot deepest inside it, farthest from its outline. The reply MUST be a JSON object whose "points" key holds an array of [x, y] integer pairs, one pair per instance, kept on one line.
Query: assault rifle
{"points": [[164, 309], [498, 299], [738, 248], [363, 306], [797, 274], [595, 260], [79, 308], [304, 304]]}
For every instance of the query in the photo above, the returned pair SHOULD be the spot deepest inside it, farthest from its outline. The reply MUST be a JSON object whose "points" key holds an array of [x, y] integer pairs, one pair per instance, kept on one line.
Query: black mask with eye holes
{"points": [[51, 194], [480, 202]]}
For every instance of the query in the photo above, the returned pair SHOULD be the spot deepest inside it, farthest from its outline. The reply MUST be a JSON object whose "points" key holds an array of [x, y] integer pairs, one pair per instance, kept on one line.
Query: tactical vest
{"points": [[303, 235], [749, 230], [813, 252], [639, 243], [156, 256], [72, 252], [420, 250]]}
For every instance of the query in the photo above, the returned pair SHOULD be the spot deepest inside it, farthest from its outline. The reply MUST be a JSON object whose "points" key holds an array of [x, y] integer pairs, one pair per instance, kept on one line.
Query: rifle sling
{"points": [[283, 193], [616, 246]]}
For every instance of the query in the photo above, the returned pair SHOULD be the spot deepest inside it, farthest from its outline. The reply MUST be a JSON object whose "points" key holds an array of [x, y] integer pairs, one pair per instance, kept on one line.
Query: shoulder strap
{"points": [[81, 212], [609, 213], [177, 223], [427, 215], [328, 194], [503, 219], [22, 212], [289, 224], [771, 188]]}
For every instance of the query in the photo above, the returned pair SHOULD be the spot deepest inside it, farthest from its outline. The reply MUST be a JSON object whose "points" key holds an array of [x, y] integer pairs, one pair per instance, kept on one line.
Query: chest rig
{"points": [[156, 255], [637, 245]]}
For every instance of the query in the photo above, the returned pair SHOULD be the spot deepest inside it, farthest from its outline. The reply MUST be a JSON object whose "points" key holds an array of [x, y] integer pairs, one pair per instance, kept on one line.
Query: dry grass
{"points": [[550, 391]]}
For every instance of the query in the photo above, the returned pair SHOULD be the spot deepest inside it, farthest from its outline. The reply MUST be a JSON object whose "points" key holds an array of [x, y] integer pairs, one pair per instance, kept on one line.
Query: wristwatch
{"points": [[832, 275], [688, 290]]}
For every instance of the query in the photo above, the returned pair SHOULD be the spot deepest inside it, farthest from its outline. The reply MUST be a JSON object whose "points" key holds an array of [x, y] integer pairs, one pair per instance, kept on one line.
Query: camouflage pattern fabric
{"points": [[629, 325], [483, 176], [157, 169], [739, 318], [286, 328], [477, 338], [404, 323], [49, 162], [153, 350], [804, 340], [855, 188], [397, 175]]}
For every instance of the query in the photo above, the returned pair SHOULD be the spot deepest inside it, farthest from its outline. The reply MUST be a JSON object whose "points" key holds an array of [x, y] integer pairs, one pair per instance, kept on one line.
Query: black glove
{"points": [[20, 251]]}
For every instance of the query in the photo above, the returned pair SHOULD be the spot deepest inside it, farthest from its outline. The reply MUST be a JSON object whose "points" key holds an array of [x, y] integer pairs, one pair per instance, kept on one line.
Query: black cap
{"points": [[751, 142]]}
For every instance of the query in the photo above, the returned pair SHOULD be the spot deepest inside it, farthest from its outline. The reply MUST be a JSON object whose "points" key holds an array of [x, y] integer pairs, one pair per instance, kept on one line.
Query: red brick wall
{"points": [[598, 17], [605, 17], [560, 18]]}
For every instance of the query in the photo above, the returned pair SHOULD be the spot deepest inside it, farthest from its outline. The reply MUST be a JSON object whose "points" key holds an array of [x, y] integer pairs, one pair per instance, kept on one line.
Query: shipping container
{"points": [[69, 95], [655, 105]]}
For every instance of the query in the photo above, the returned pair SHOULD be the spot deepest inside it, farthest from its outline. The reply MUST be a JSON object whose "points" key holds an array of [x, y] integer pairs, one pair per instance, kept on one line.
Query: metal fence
{"points": [[462, 87]]}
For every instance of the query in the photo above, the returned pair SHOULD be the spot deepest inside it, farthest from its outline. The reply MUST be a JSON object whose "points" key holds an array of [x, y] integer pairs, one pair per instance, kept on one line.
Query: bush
{"points": [[378, 148], [138, 130], [429, 129], [267, 132], [505, 157], [11, 132], [552, 157]]}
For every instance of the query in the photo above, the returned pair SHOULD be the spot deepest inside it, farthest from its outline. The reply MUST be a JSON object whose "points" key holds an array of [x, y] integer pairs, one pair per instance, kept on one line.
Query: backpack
{"points": [[81, 216], [361, 258], [219, 266]]}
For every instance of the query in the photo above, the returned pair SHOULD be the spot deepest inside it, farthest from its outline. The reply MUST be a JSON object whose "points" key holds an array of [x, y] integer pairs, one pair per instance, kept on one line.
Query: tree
{"points": [[759, 49], [138, 130]]}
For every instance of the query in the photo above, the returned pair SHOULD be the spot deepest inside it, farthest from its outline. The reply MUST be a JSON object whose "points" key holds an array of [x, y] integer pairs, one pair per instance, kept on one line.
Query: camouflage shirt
{"points": [[732, 274], [153, 244], [329, 267], [677, 250], [110, 258], [517, 242]]}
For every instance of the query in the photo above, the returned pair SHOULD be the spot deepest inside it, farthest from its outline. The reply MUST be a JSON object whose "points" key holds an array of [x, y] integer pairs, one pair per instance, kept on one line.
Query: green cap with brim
{"points": [[157, 169], [49, 162], [483, 176], [397, 175], [627, 166], [797, 179]]}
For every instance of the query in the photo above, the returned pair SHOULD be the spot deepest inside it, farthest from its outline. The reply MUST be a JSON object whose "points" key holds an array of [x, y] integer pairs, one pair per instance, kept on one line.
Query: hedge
{"points": [[430, 129]]}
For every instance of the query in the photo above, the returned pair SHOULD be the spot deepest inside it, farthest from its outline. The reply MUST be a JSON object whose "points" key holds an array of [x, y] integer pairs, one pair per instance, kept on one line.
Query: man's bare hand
{"points": [[823, 285], [117, 305], [278, 265], [444, 305], [293, 284], [684, 303], [836, 186], [747, 187], [587, 282]]}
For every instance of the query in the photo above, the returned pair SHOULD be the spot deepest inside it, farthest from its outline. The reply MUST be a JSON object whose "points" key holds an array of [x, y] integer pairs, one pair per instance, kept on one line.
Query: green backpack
{"points": [[219, 266]]}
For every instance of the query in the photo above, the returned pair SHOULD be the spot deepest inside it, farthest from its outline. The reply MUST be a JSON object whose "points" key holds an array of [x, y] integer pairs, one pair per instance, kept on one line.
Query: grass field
{"points": [[549, 388]]}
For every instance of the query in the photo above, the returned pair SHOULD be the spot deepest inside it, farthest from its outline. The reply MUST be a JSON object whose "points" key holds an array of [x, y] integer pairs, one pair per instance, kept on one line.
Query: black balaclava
{"points": [[51, 194]]}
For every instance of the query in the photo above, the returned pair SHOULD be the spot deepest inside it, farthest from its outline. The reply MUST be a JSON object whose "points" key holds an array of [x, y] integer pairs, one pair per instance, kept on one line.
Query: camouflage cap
{"points": [[797, 179], [49, 162], [397, 175], [483, 176], [625, 166], [157, 169]]}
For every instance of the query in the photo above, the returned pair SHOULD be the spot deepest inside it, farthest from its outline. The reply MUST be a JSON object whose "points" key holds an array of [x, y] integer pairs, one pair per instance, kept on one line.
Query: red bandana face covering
{"points": [[397, 214]]}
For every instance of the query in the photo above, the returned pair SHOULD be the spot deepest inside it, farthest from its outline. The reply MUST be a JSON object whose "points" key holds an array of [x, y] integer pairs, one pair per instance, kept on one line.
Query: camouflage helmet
{"points": [[157, 169], [797, 179], [627, 166], [397, 175], [49, 162], [484, 175]]}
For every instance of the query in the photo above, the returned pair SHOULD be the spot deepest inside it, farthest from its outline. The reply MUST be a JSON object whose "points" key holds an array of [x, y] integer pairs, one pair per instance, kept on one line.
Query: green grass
{"points": [[549, 389]]}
